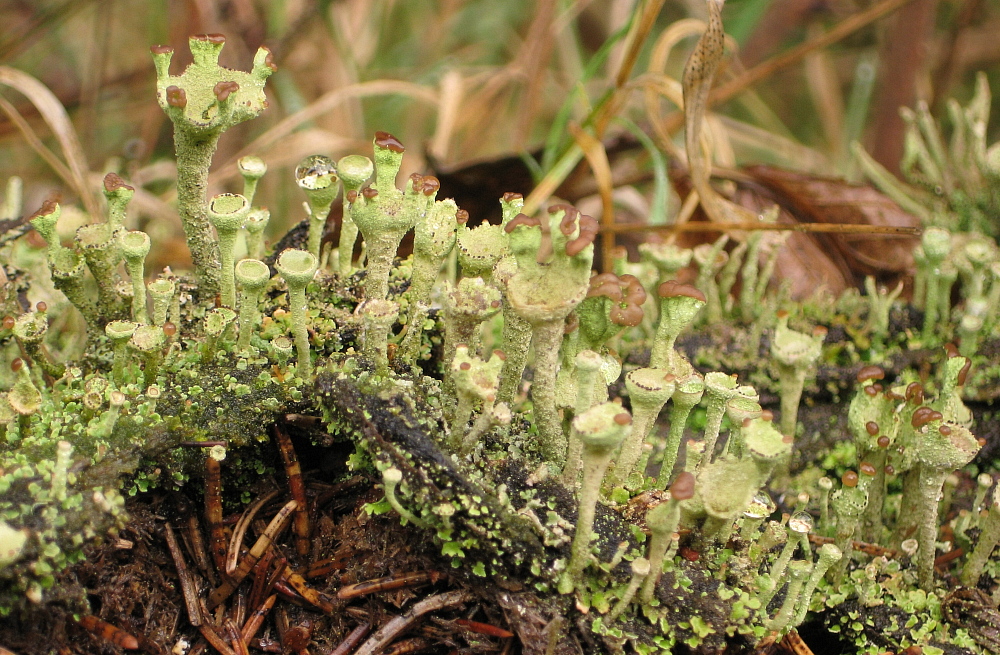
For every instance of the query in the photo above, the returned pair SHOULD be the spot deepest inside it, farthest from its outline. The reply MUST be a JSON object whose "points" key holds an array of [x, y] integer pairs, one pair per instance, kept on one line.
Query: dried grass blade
{"points": [[331, 99], [597, 157], [58, 121]]}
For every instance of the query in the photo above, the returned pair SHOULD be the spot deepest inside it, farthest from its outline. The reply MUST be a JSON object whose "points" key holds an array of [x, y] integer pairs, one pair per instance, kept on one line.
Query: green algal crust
{"points": [[935, 244], [466, 306], [588, 367], [941, 448], [162, 290], [252, 168], [829, 555], [433, 240], [99, 244], [135, 246], [601, 430], [795, 354], [688, 391], [203, 102], [554, 255], [297, 268], [148, 341], [217, 322], [227, 212], [30, 329], [354, 171], [798, 572], [391, 477], [378, 317], [384, 214], [989, 537], [475, 382], [649, 390], [317, 177], [252, 276], [679, 306], [120, 332], [662, 521]]}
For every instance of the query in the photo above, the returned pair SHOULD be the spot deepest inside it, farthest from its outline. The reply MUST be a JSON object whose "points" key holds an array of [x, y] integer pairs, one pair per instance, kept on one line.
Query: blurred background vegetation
{"points": [[500, 83]]}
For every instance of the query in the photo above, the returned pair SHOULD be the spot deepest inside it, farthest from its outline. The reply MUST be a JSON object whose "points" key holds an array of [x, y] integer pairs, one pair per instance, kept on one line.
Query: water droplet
{"points": [[311, 169], [760, 507], [801, 522]]}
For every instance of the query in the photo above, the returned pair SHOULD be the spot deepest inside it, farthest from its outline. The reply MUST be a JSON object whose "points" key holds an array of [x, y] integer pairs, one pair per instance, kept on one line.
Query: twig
{"points": [[256, 619], [240, 530], [352, 640], [836, 228], [108, 632], [196, 542], [313, 596], [235, 638], [409, 646], [294, 471], [214, 640], [213, 513], [263, 542], [188, 589], [260, 577], [387, 583], [397, 625]]}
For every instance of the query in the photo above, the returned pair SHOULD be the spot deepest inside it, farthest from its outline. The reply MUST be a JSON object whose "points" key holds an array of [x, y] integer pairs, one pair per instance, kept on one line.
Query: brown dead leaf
{"points": [[813, 199]]}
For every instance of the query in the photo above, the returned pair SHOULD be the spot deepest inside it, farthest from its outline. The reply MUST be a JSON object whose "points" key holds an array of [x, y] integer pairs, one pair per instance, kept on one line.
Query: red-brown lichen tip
{"points": [[915, 393], [9, 322], [269, 59], [673, 289], [501, 355], [871, 427], [352, 195], [161, 49], [16, 364], [964, 373], [588, 232], [883, 441], [868, 469], [48, 206], [465, 366], [41, 306], [767, 415], [461, 217], [176, 97], [568, 223], [113, 182], [521, 220], [820, 331], [951, 350], [386, 140], [945, 430], [511, 196], [222, 90], [169, 329], [683, 486], [924, 415], [870, 372], [781, 313], [850, 479], [431, 185], [217, 39], [369, 192], [623, 419]]}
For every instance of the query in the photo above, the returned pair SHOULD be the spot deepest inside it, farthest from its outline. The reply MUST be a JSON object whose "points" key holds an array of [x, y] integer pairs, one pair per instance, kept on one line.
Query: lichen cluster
{"points": [[550, 493]]}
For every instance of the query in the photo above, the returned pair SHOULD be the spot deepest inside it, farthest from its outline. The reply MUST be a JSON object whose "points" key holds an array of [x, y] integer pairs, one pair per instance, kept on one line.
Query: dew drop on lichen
{"points": [[311, 169], [760, 507], [801, 522]]}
